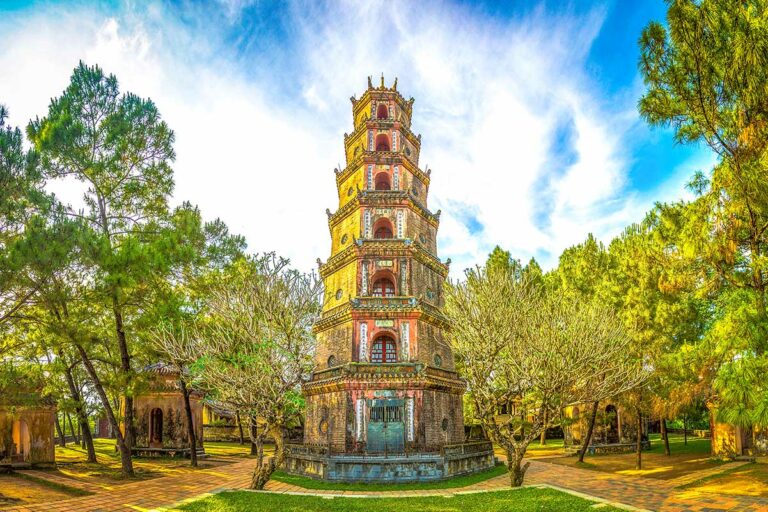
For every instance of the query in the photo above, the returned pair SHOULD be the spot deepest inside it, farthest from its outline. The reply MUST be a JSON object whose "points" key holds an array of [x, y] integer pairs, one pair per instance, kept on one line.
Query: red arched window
{"points": [[382, 229], [381, 111], [383, 288], [382, 142], [384, 350], [382, 181]]}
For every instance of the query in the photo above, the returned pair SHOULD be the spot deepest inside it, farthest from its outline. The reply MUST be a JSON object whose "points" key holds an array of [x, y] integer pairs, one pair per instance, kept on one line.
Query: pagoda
{"points": [[385, 401]]}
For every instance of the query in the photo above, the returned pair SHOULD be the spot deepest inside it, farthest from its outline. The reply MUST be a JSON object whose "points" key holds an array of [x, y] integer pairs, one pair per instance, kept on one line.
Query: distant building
{"points": [[615, 431], [730, 441], [27, 429], [160, 415]]}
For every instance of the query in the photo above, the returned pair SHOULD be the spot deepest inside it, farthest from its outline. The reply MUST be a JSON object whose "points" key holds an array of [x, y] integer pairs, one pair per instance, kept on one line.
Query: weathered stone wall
{"points": [[426, 284], [39, 423], [441, 419], [326, 420], [174, 419], [337, 342], [431, 343], [344, 280]]}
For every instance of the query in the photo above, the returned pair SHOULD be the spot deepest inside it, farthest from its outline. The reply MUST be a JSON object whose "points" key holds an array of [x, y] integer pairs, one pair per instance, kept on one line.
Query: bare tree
{"points": [[535, 351], [259, 348]]}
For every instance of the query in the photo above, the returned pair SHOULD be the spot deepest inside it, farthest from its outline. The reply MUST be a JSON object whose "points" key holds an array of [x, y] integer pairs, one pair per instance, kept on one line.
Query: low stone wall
{"points": [[222, 433], [453, 460], [600, 449]]}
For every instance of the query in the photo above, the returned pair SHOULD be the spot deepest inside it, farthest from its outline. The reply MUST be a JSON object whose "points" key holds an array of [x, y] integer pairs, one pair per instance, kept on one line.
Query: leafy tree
{"points": [[706, 76], [581, 275], [21, 199], [120, 148], [258, 347], [534, 349]]}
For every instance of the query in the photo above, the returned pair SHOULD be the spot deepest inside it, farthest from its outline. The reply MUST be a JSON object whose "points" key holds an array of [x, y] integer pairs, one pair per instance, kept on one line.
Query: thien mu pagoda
{"points": [[385, 401]]}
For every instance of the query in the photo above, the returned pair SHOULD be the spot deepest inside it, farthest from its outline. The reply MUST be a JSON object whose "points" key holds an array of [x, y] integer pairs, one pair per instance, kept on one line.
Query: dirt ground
{"points": [[74, 475], [71, 462], [749, 480], [19, 491], [684, 459]]}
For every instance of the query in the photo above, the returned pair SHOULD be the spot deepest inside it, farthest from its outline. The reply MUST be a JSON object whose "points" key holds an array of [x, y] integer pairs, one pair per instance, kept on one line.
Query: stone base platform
{"points": [[602, 449], [166, 452], [452, 460]]}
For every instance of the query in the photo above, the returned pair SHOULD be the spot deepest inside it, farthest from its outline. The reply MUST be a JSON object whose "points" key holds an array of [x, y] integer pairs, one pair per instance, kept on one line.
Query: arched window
{"points": [[21, 441], [382, 181], [382, 142], [156, 427], [384, 350], [381, 111], [382, 229], [383, 288]]}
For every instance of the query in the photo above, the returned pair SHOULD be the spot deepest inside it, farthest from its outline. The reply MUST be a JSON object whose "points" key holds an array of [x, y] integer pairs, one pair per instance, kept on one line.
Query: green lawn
{"points": [[459, 481], [696, 445], [525, 499]]}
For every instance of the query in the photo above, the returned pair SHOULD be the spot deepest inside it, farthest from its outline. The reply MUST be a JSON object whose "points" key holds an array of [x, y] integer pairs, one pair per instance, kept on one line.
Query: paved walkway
{"points": [[642, 493]]}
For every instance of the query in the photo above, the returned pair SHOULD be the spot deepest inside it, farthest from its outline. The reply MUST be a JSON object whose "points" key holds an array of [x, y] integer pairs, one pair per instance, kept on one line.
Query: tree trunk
{"points": [[62, 441], [240, 426], [125, 449], [588, 439], [516, 468], [264, 469], [543, 439], [125, 366], [639, 463], [254, 435], [75, 437], [80, 410], [665, 435], [190, 425], [685, 431]]}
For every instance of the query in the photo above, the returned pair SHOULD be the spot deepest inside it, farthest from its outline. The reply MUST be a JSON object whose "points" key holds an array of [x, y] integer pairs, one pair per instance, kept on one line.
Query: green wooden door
{"points": [[386, 428]]}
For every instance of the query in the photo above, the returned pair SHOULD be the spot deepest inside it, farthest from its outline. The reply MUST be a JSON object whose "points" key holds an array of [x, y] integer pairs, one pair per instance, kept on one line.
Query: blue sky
{"points": [[527, 110]]}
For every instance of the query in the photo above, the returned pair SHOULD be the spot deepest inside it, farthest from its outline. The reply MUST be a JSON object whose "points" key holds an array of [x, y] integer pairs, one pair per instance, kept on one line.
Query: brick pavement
{"points": [[643, 493]]}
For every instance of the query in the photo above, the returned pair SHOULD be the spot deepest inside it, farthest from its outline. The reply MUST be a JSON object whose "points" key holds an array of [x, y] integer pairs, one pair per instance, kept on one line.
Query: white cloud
{"points": [[490, 99]]}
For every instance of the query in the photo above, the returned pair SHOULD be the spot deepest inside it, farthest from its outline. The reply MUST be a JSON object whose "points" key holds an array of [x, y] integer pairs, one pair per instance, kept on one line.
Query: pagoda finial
{"points": [[370, 83], [382, 80]]}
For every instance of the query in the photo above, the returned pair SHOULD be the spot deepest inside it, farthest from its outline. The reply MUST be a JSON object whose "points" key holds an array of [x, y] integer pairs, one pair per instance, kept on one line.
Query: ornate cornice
{"points": [[384, 158], [383, 199], [383, 248], [387, 376], [376, 306], [382, 124]]}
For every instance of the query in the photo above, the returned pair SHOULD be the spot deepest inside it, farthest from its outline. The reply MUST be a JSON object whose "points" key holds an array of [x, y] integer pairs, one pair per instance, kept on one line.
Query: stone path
{"points": [[641, 493]]}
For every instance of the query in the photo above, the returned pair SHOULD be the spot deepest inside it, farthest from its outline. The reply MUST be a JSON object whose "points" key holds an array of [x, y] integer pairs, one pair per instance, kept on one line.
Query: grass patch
{"points": [[524, 499], [71, 491], [696, 445], [726, 477], [459, 481]]}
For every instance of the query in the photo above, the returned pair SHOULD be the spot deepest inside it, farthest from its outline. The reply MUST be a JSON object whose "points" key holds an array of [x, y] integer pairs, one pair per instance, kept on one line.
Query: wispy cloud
{"points": [[525, 151]]}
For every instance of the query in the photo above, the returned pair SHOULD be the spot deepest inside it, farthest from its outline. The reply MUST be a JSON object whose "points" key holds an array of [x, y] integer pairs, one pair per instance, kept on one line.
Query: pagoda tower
{"points": [[385, 380]]}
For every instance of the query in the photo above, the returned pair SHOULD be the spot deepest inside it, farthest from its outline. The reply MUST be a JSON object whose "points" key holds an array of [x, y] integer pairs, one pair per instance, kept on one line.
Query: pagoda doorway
{"points": [[386, 427]]}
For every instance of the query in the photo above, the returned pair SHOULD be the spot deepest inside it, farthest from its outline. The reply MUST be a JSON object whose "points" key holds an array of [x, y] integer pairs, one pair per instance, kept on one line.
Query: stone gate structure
{"points": [[385, 402]]}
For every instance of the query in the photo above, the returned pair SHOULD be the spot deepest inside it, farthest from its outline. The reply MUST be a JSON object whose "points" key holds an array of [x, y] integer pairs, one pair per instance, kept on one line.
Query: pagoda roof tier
{"points": [[383, 158], [380, 93], [383, 199], [383, 248], [380, 307], [355, 376], [383, 124]]}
